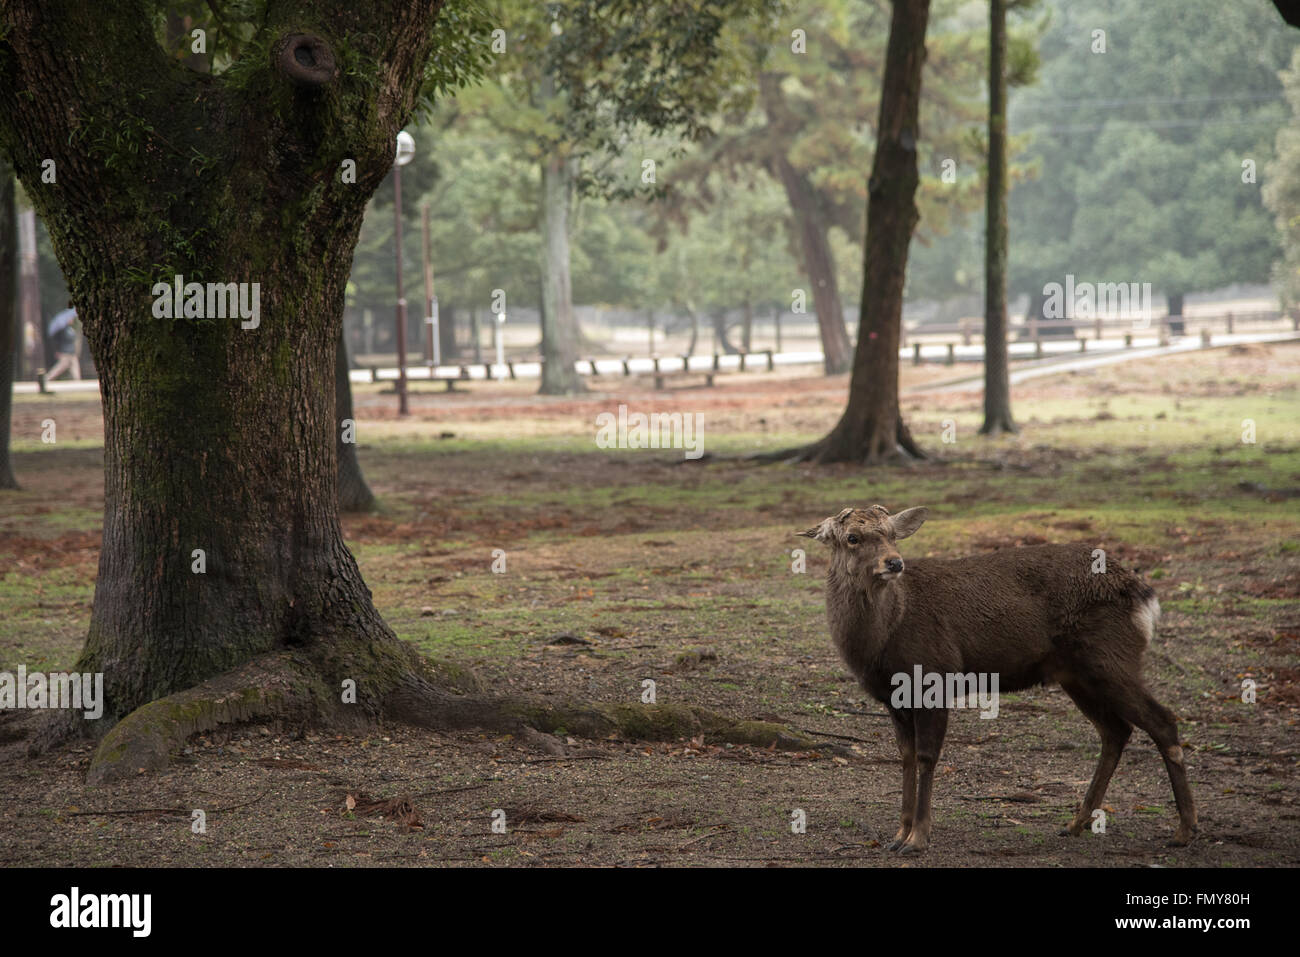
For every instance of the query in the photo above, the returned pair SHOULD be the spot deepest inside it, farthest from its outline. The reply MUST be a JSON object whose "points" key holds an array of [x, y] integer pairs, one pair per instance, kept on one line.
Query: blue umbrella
{"points": [[61, 321]]}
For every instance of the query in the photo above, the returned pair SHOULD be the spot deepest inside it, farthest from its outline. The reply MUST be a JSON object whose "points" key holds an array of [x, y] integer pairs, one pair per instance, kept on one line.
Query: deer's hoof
{"points": [[1182, 838], [913, 848]]}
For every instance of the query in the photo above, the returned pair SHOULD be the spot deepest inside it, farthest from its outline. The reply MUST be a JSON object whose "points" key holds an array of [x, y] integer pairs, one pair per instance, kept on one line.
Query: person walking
{"points": [[63, 334]]}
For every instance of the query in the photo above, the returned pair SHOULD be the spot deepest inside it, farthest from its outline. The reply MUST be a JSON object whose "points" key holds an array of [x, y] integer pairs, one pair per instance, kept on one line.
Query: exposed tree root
{"points": [[432, 694], [999, 425], [836, 449]]}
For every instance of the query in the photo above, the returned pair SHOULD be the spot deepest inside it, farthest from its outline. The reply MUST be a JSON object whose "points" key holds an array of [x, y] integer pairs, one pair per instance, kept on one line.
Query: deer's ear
{"points": [[906, 522], [821, 532]]}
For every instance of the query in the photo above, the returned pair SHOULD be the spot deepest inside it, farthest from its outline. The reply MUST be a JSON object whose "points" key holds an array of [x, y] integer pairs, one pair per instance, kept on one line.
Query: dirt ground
{"points": [[627, 565]]}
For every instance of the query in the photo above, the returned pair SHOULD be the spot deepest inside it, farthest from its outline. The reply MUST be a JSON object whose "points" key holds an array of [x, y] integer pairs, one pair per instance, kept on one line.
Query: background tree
{"points": [[1142, 149], [578, 81], [1282, 190], [9, 331], [872, 430], [1020, 69], [810, 130]]}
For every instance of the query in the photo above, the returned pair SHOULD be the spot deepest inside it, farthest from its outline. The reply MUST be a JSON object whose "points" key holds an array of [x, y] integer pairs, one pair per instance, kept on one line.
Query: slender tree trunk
{"points": [[1175, 301], [9, 327], [719, 320], [559, 325], [695, 330], [30, 294], [447, 343], [747, 326], [819, 264], [478, 335], [354, 493], [872, 429], [997, 375]]}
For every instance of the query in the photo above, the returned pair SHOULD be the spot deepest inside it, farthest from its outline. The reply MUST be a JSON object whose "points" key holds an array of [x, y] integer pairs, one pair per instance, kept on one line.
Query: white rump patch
{"points": [[1145, 617]]}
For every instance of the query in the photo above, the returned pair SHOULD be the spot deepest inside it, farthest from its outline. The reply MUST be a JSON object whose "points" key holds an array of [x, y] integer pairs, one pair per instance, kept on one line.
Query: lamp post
{"points": [[405, 153]]}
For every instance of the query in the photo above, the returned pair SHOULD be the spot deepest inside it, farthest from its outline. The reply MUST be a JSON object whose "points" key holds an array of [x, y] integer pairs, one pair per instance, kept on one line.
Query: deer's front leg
{"points": [[904, 733], [930, 725]]}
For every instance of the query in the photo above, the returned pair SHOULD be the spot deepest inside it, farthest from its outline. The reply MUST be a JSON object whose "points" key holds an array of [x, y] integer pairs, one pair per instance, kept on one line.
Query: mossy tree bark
{"points": [[871, 429], [8, 315], [997, 376]]}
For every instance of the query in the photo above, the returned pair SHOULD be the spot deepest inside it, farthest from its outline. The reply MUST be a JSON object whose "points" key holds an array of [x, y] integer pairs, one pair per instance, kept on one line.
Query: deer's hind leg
{"points": [[1158, 721], [1114, 732]]}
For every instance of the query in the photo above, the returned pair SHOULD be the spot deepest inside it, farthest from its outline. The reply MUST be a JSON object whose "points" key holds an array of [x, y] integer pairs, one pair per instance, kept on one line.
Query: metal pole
{"points": [[402, 406]]}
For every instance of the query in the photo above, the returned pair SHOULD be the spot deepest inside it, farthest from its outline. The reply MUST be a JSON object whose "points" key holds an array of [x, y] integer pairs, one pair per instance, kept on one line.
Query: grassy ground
{"points": [[627, 565]]}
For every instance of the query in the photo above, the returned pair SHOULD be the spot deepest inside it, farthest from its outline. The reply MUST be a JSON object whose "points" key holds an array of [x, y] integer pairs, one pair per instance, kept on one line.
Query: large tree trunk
{"points": [[997, 375], [872, 429], [8, 315], [354, 493], [222, 546], [559, 325], [819, 264]]}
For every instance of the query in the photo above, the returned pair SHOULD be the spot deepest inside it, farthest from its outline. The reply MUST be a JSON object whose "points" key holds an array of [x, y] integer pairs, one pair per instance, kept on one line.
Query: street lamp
{"points": [[405, 153]]}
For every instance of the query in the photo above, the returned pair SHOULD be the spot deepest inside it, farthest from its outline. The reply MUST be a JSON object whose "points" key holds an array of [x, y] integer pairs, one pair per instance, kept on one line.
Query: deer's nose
{"points": [[894, 564]]}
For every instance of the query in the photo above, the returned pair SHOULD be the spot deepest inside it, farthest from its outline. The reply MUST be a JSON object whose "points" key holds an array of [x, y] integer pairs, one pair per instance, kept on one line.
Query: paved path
{"points": [[1060, 357], [1057, 365]]}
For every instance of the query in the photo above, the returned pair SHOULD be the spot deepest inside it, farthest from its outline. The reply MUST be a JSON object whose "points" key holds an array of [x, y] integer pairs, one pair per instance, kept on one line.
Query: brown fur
{"points": [[1031, 615]]}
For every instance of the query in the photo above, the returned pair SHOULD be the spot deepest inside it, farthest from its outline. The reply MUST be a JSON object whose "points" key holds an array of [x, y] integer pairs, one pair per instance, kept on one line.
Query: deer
{"points": [[1039, 614]]}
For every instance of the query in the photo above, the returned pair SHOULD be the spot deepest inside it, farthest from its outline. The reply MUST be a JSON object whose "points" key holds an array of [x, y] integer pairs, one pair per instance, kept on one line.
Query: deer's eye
{"points": [[853, 539]]}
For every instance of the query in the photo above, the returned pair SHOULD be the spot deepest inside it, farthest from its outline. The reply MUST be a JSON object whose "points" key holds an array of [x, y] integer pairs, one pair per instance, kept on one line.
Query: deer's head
{"points": [[864, 541]]}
